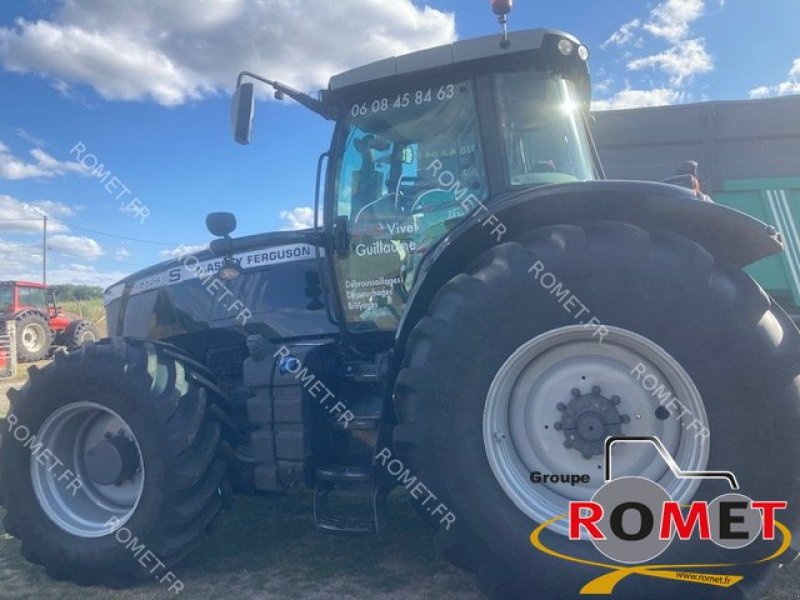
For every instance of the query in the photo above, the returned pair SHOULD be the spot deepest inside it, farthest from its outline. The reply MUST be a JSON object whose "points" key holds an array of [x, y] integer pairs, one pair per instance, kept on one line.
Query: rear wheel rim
{"points": [[33, 337], [531, 399], [93, 509]]}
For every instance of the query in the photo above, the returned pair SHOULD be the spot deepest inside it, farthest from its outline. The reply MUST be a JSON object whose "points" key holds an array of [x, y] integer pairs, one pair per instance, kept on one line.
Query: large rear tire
{"points": [[735, 345], [129, 421], [34, 337]]}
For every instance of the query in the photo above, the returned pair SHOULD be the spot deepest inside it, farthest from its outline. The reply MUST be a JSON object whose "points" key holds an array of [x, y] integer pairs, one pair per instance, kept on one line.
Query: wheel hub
{"points": [[588, 419], [112, 460], [98, 446]]}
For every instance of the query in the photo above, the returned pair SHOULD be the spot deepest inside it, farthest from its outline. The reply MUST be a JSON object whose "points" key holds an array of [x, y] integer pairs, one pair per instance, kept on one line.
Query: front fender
{"points": [[726, 233]]}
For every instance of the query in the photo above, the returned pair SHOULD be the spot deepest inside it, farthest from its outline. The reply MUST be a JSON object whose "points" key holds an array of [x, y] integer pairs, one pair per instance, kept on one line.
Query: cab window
{"points": [[32, 297], [540, 120], [410, 169]]}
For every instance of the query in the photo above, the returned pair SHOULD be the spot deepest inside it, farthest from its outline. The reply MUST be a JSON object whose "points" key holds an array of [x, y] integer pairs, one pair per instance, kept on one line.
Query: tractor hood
{"points": [[278, 294]]}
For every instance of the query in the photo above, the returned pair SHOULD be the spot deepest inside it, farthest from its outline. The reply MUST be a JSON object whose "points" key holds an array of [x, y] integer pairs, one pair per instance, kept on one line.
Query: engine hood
{"points": [[278, 294]]}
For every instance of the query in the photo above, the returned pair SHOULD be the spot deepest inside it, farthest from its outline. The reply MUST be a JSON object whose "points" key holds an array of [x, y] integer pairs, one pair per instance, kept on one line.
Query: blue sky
{"points": [[144, 86]]}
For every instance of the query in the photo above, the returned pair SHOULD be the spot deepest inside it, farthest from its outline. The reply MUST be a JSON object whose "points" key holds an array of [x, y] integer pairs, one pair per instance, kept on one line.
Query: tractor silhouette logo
{"points": [[632, 520]]}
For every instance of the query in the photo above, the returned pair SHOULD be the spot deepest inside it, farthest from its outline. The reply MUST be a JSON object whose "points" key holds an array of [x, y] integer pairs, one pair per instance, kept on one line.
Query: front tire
{"points": [[130, 425], [738, 348], [34, 337]]}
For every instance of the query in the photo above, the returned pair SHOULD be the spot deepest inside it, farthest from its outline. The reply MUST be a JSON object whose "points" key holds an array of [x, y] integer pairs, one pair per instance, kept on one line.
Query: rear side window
{"points": [[545, 139], [32, 297]]}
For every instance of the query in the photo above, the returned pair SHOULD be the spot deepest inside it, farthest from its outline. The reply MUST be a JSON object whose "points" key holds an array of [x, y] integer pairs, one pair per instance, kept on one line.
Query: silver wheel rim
{"points": [[521, 412], [33, 337], [92, 510]]}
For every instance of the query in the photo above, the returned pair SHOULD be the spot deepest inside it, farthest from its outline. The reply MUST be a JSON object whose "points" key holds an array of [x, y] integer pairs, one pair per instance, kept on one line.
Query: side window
{"points": [[32, 297], [409, 165], [544, 137]]}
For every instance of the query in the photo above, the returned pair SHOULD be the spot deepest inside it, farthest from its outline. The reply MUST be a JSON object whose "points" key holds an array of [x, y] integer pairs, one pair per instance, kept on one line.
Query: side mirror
{"points": [[242, 109], [221, 224]]}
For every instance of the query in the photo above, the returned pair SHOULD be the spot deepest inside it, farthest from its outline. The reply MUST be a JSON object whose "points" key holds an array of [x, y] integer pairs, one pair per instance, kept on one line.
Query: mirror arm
{"points": [[310, 103]]}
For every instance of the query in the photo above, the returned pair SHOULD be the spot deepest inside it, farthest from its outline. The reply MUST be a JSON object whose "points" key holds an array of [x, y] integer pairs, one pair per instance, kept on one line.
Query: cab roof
{"points": [[458, 52], [23, 284]]}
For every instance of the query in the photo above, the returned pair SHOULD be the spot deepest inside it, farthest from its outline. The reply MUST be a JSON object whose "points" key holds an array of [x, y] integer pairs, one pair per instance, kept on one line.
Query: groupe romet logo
{"points": [[632, 520]]}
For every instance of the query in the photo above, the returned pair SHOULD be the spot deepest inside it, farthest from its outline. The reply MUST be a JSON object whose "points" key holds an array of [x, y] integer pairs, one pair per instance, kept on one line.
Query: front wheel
{"points": [[544, 347], [110, 462]]}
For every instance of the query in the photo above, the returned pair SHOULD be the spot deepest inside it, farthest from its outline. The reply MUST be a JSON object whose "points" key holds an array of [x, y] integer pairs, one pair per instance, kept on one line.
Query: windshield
{"points": [[29, 296], [410, 170], [545, 139], [5, 297]]}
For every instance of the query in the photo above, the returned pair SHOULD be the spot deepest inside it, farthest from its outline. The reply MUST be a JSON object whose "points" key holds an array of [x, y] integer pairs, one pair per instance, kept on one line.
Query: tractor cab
{"points": [[426, 141]]}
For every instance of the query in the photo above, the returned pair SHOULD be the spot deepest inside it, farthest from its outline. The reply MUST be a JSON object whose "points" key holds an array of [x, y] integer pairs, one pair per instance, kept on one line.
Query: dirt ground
{"points": [[267, 547]]}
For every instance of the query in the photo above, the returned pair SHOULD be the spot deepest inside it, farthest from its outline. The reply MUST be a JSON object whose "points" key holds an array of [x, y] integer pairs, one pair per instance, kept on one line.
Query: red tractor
{"points": [[40, 323]]}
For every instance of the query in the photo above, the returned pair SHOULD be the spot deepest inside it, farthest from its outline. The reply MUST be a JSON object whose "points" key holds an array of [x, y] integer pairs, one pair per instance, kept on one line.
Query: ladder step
{"points": [[345, 474], [343, 526], [327, 522], [358, 422]]}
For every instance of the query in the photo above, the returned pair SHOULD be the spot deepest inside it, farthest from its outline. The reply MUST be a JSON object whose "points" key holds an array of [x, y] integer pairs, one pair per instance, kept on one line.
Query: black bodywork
{"points": [[288, 435]]}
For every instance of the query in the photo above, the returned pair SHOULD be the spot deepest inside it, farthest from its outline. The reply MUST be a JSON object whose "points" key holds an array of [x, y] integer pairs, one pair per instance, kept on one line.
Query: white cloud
{"points": [[43, 165], [38, 142], [603, 85], [75, 245], [183, 250], [24, 261], [672, 19], [301, 217], [121, 253], [686, 56], [785, 88], [638, 99], [624, 34], [172, 51], [17, 216], [680, 62]]}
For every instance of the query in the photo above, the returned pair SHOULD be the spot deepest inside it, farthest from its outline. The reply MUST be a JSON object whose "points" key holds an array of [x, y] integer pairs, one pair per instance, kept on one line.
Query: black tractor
{"points": [[475, 312]]}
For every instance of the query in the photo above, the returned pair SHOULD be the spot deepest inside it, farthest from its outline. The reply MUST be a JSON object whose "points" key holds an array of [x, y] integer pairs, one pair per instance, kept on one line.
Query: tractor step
{"points": [[341, 526], [344, 474], [362, 422], [328, 481]]}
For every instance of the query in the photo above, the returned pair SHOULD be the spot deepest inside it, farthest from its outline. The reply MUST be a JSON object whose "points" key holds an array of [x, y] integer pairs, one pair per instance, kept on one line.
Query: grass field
{"points": [[267, 547], [93, 310]]}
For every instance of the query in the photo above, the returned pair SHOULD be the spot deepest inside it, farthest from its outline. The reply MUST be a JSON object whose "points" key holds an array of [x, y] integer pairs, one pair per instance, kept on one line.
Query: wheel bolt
{"points": [[575, 392], [561, 406], [596, 390], [615, 400]]}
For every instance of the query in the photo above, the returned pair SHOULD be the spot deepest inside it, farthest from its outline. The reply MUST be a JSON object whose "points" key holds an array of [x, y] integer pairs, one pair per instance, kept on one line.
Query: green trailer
{"points": [[749, 157]]}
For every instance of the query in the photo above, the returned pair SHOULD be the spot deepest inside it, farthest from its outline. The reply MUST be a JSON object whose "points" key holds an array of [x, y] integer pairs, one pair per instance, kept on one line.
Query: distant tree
{"points": [[69, 292]]}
